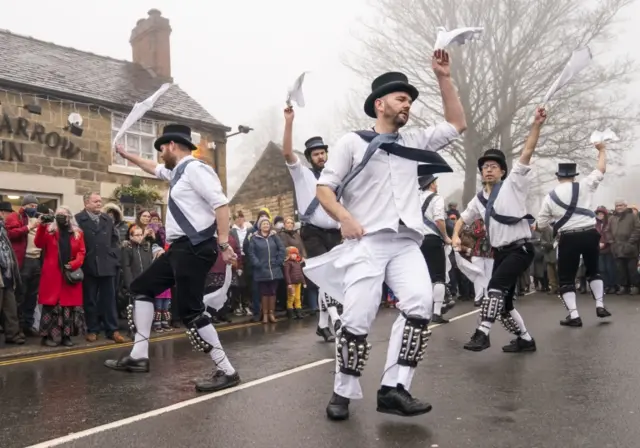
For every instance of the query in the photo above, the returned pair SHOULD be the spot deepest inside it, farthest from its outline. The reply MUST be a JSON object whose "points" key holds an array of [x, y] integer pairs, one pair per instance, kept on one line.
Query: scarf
{"points": [[64, 245]]}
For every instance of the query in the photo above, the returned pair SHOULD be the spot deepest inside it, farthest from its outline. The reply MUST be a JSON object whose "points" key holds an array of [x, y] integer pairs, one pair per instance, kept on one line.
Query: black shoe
{"points": [[338, 407], [66, 341], [48, 342], [326, 334], [337, 325], [448, 306], [438, 319], [128, 364], [398, 401], [477, 303], [602, 312], [218, 381], [568, 322], [18, 340], [479, 341], [520, 345], [297, 314], [289, 313]]}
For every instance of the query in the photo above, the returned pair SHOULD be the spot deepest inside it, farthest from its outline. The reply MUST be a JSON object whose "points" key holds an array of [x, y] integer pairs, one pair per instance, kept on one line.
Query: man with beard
{"points": [[196, 207], [319, 232], [508, 235], [433, 245], [569, 207], [379, 216]]}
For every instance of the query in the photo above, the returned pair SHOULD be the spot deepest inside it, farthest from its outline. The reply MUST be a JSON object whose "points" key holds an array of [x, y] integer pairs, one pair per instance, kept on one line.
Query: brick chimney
{"points": [[151, 44]]}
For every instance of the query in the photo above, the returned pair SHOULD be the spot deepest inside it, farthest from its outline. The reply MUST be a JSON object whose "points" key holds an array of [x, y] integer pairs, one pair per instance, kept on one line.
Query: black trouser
{"points": [[184, 265], [509, 262], [318, 241], [570, 247], [433, 252], [28, 298], [100, 304], [627, 272]]}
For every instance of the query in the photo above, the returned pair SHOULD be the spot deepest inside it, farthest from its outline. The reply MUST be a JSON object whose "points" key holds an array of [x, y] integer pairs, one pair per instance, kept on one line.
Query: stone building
{"points": [[44, 88], [269, 184]]}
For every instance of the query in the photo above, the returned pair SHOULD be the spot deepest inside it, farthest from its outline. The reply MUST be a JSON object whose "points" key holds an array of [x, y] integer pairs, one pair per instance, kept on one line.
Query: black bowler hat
{"points": [[425, 181], [177, 133], [312, 144], [494, 155], [567, 170], [5, 207], [385, 84]]}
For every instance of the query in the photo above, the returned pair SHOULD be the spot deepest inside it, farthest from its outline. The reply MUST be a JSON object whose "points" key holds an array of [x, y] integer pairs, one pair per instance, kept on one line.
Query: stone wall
{"points": [[37, 152]]}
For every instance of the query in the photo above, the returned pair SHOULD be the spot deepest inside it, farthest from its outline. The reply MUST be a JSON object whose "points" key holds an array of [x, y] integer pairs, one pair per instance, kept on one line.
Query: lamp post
{"points": [[241, 130]]}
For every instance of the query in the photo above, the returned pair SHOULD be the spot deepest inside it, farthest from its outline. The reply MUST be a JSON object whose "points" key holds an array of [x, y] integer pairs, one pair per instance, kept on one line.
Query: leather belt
{"points": [[514, 245], [581, 229]]}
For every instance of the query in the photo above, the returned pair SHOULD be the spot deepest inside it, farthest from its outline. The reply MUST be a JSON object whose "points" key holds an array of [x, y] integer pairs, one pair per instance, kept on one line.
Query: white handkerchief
{"points": [[295, 92], [580, 58], [604, 136], [458, 36], [217, 298]]}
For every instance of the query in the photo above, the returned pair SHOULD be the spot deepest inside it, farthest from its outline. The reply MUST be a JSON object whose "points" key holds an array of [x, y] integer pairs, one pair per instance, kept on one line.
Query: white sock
{"points": [[438, 298], [570, 301], [597, 289], [485, 327], [210, 336], [143, 319], [518, 318]]}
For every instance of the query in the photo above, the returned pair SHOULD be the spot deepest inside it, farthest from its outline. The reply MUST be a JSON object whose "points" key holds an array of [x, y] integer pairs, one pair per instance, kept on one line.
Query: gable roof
{"points": [[32, 64]]}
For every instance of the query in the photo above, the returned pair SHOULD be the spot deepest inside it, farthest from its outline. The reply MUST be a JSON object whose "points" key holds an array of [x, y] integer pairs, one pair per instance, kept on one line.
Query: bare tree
{"points": [[525, 46]]}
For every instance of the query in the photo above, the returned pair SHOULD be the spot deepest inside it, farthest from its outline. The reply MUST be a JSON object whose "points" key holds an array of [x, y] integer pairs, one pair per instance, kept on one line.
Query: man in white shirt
{"points": [[435, 239], [319, 232], [196, 207], [379, 216], [502, 205], [569, 210]]}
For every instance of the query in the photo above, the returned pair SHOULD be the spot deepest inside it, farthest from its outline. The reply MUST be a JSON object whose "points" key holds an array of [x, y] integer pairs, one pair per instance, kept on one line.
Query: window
{"points": [[15, 198], [130, 212], [138, 139]]}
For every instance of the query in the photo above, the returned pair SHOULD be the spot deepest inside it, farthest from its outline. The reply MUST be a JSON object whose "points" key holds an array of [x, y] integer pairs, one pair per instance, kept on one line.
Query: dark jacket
{"points": [[102, 244], [624, 233], [136, 258], [292, 238], [267, 257], [293, 273], [602, 226], [121, 227], [546, 245]]}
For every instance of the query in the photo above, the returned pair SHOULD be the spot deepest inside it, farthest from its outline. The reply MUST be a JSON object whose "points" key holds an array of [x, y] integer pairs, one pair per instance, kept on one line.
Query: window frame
{"points": [[135, 131]]}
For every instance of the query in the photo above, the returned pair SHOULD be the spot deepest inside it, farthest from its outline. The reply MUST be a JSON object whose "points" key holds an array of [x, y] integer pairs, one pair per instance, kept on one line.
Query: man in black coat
{"points": [[101, 263]]}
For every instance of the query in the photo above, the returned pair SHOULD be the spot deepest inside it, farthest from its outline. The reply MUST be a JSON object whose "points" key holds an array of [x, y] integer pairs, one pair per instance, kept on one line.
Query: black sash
{"points": [[502, 219], [429, 223], [569, 209]]}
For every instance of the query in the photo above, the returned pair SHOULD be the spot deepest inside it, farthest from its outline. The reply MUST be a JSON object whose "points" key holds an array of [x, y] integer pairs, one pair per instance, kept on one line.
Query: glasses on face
{"points": [[490, 166], [137, 234]]}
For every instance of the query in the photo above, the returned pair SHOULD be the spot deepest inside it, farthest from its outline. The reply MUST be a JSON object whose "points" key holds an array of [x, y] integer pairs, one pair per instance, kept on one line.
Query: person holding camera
{"points": [[60, 292]]}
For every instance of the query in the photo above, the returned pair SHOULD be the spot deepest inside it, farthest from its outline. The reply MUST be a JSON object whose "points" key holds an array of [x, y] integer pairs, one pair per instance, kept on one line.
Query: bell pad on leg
{"points": [[492, 304], [352, 352], [509, 323], [199, 344], [130, 320], [415, 338]]}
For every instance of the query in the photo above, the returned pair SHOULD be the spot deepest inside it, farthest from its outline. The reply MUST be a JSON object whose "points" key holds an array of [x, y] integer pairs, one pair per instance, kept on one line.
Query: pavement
{"points": [[580, 389]]}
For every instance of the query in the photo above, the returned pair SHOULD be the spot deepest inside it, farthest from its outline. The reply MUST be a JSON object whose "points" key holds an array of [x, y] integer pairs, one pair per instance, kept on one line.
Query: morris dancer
{"points": [[569, 207], [381, 223], [509, 236], [319, 232], [195, 188], [435, 239]]}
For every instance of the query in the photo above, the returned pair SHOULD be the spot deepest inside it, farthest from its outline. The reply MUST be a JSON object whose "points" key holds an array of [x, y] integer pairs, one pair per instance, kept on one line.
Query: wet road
{"points": [[581, 389]]}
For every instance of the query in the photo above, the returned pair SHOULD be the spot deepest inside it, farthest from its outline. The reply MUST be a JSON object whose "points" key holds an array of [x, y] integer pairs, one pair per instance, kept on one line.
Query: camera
{"points": [[46, 218]]}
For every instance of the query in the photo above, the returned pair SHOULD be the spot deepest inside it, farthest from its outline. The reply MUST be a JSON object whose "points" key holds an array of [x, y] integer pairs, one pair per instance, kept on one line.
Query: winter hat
{"points": [[29, 199], [261, 220], [264, 211], [293, 253]]}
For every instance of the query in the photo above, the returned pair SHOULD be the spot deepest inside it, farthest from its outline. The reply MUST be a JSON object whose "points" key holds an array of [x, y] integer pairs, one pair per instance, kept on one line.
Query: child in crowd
{"points": [[295, 282]]}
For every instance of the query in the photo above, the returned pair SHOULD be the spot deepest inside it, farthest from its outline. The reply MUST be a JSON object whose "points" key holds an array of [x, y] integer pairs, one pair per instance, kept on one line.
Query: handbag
{"points": [[71, 276]]}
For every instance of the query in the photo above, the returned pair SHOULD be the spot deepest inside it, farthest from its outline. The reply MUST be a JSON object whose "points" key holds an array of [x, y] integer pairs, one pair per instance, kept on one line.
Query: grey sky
{"points": [[238, 58]]}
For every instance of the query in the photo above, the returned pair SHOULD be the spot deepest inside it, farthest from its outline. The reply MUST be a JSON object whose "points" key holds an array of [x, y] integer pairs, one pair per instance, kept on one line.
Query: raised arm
{"points": [[148, 166], [287, 138], [602, 157], [453, 111], [534, 134]]}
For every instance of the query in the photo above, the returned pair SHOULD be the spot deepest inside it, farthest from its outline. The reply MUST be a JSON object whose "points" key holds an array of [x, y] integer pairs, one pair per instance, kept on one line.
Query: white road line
{"points": [[174, 407], [183, 404]]}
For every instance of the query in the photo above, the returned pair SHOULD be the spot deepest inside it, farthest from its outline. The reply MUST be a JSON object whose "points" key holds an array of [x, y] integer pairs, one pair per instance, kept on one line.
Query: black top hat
{"points": [[5, 207], [494, 155], [177, 133], [567, 170], [312, 144], [385, 84], [425, 181]]}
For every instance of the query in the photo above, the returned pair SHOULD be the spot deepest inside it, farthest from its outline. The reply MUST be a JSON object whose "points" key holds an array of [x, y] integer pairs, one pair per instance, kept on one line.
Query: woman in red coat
{"points": [[63, 248]]}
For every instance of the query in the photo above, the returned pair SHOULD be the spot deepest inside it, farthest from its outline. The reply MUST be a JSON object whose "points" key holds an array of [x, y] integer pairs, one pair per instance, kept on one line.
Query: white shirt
{"points": [[434, 212], [304, 182], [386, 190], [551, 212], [242, 234], [511, 201], [198, 193]]}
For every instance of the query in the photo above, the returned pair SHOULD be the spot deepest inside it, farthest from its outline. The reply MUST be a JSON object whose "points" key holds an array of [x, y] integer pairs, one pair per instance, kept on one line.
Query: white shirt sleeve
{"points": [[340, 162], [545, 216], [592, 181], [295, 169], [435, 138], [471, 213], [163, 173], [205, 182], [519, 176], [438, 209]]}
